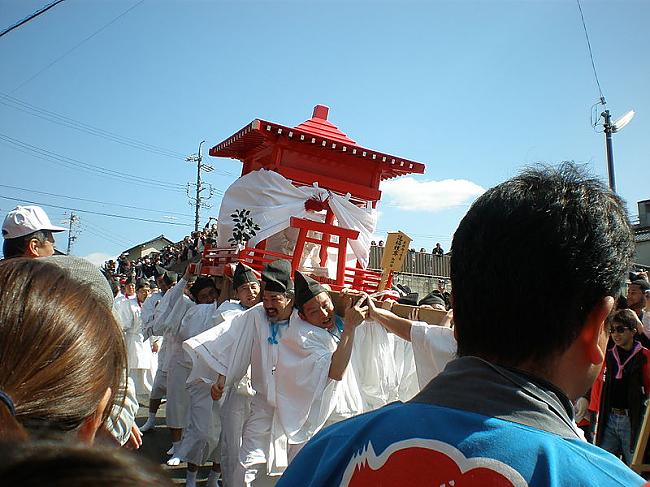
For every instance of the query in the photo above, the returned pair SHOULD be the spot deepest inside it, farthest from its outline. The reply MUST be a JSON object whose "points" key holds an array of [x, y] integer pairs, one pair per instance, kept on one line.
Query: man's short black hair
{"points": [[642, 283], [167, 278], [530, 260], [16, 247], [140, 283]]}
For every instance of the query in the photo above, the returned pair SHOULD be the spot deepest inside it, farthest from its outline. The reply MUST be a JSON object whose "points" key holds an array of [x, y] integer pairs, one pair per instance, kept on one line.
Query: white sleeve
{"points": [[646, 322], [148, 308], [305, 394], [121, 420], [224, 349], [124, 314], [374, 365], [166, 306], [433, 347]]}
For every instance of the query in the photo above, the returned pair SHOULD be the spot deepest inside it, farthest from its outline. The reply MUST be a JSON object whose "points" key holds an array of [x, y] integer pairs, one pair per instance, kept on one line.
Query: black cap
{"points": [[411, 299], [277, 276], [306, 288], [170, 276], [140, 283], [200, 284], [642, 283], [242, 275], [432, 298]]}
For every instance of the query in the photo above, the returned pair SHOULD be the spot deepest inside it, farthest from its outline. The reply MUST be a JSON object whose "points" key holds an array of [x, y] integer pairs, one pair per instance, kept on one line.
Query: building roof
{"points": [[143, 244], [261, 135]]}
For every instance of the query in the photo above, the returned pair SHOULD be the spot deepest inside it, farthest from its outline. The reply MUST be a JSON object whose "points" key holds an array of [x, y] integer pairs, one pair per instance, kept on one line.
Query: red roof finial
{"points": [[321, 111], [320, 126]]}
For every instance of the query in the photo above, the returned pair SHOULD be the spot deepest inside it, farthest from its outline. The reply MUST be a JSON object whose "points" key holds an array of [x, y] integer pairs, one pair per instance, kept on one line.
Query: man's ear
{"points": [[592, 334], [91, 424], [32, 248]]}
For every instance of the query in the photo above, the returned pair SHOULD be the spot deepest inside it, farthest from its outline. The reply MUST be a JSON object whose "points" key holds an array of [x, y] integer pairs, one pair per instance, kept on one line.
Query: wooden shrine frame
{"points": [[641, 444]]}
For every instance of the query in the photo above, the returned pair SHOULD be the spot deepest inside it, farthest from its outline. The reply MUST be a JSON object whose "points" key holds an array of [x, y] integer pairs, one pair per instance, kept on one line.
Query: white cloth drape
{"points": [[273, 200]]}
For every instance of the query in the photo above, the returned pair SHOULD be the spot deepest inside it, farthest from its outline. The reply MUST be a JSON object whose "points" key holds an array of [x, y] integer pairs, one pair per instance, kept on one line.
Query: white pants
{"points": [[159, 389], [201, 438], [255, 441], [142, 380], [234, 410], [178, 398]]}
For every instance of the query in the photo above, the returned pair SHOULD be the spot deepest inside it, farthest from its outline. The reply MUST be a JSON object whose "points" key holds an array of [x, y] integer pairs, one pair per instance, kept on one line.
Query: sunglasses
{"points": [[618, 329]]}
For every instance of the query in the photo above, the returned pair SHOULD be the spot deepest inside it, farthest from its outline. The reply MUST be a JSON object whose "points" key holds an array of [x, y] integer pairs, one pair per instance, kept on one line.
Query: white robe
{"points": [[373, 361], [306, 397], [141, 360], [407, 378], [242, 342], [149, 307], [169, 315], [200, 439], [148, 314], [433, 348], [236, 401], [138, 350]]}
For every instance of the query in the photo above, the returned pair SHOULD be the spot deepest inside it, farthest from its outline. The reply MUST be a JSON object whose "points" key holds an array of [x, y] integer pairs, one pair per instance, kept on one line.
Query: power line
{"points": [[30, 17], [59, 119], [124, 217], [78, 164], [106, 236], [94, 201], [117, 237], [76, 46], [591, 56]]}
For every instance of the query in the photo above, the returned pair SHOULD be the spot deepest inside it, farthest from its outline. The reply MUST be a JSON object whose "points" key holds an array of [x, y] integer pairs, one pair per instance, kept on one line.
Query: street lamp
{"points": [[611, 128]]}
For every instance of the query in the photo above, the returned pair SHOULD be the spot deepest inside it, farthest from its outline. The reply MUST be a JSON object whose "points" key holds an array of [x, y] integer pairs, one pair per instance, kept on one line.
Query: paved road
{"points": [[155, 444]]}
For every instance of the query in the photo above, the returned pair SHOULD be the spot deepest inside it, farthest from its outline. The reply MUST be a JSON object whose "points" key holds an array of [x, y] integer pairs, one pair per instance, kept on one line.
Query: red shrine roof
{"points": [[260, 134]]}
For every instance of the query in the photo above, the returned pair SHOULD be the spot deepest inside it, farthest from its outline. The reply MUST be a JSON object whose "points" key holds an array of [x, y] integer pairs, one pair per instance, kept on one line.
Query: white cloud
{"points": [[98, 258], [411, 194]]}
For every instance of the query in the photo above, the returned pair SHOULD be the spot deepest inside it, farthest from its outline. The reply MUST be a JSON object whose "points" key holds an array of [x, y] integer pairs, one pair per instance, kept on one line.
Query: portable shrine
{"points": [[307, 194]]}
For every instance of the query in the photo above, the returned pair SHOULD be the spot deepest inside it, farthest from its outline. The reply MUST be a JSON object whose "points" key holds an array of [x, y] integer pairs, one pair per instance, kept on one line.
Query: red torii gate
{"points": [[315, 151]]}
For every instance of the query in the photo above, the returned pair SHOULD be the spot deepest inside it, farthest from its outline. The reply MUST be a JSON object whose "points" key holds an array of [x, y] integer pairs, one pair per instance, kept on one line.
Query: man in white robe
{"points": [[129, 292], [207, 424], [139, 354], [315, 386], [172, 308], [434, 346], [166, 280], [253, 340]]}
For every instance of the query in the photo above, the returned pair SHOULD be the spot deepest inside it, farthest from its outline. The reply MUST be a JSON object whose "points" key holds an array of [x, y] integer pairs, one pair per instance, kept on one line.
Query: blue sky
{"points": [[475, 90]]}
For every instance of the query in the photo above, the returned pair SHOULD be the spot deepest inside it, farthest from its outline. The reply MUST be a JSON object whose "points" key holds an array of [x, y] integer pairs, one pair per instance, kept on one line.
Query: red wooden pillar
{"points": [[297, 250], [329, 220], [340, 263]]}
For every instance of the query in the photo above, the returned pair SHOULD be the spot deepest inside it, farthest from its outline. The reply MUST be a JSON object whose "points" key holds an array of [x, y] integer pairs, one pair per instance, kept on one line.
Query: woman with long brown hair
{"points": [[62, 355]]}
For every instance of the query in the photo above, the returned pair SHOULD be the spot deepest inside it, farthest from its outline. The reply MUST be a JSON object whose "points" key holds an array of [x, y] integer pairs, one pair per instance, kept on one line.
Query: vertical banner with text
{"points": [[397, 245]]}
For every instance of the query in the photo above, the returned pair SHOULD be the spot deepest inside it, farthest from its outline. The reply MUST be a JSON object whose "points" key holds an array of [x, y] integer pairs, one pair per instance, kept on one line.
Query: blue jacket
{"points": [[475, 424]]}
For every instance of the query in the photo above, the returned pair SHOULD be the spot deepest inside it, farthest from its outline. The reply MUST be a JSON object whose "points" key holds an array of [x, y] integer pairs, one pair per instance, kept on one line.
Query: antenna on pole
{"points": [[609, 128]]}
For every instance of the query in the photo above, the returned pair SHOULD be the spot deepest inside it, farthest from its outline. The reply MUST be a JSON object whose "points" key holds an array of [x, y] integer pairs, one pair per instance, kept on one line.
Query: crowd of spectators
{"points": [[146, 267], [437, 250]]}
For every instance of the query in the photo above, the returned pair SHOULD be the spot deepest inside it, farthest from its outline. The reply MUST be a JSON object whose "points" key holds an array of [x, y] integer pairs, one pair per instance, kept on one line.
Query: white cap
{"points": [[24, 220]]}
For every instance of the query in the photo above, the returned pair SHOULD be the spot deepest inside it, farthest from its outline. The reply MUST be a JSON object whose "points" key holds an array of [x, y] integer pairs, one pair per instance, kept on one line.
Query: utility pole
{"points": [[71, 237], [198, 200], [607, 128]]}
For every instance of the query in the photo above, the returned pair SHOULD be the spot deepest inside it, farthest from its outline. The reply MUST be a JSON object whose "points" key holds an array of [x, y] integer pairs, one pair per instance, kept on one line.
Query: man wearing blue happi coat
{"points": [[536, 265]]}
